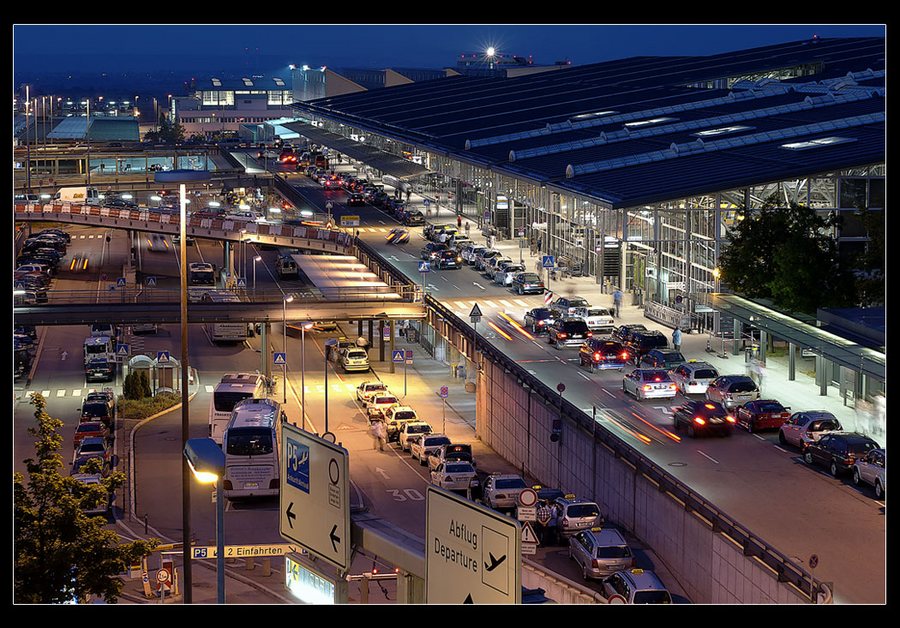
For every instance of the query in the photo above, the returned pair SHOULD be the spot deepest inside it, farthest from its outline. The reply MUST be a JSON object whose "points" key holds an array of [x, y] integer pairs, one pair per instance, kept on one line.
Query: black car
{"points": [[623, 333], [35, 258], [431, 250], [539, 319], [449, 259], [703, 418], [414, 217], [667, 359], [56, 232], [642, 342], [838, 451], [355, 199], [568, 331], [528, 283], [602, 353], [44, 251]]}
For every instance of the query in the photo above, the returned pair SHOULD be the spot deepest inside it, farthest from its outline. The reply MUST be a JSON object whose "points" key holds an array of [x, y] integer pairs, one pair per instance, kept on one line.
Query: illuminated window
{"points": [[596, 114], [247, 82], [651, 121], [216, 82], [722, 131], [817, 143], [279, 82]]}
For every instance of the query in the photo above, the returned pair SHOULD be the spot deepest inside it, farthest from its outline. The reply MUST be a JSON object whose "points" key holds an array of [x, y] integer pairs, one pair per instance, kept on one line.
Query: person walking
{"points": [[676, 339], [379, 433], [544, 513], [492, 239], [459, 221], [617, 300], [468, 227], [539, 243]]}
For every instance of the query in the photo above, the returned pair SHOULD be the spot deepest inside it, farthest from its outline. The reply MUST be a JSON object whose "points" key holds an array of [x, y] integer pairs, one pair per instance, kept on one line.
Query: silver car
{"points": [[732, 390], [455, 476], [501, 491], [649, 384], [575, 514], [693, 378], [600, 552], [871, 470], [807, 427]]}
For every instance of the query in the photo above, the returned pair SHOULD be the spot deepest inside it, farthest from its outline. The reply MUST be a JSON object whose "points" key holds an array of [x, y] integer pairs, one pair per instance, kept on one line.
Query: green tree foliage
{"points": [[128, 387], [789, 255], [144, 385], [61, 553], [870, 264]]}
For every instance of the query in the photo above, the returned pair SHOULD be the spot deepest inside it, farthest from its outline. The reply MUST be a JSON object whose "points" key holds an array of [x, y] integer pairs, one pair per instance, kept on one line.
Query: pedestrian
{"points": [[552, 534], [468, 227], [362, 343], [676, 339], [379, 433], [357, 234], [459, 221], [617, 300], [492, 240], [442, 238], [539, 243], [538, 268], [544, 513]]}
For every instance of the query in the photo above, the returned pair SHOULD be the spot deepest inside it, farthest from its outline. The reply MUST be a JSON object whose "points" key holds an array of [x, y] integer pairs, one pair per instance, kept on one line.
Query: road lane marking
{"points": [[60, 393], [209, 388], [705, 456], [45, 393], [490, 304], [520, 302], [585, 376], [759, 437], [780, 449], [505, 303], [475, 283], [608, 393], [76, 392]]}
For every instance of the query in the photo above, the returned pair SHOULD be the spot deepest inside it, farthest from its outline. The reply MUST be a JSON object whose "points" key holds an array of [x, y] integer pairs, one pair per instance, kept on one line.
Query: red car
{"points": [[90, 429], [762, 414]]}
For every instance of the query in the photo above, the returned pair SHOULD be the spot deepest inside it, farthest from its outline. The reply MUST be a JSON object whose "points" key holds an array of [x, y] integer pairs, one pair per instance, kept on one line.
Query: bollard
{"points": [[145, 524], [249, 563], [267, 566]]}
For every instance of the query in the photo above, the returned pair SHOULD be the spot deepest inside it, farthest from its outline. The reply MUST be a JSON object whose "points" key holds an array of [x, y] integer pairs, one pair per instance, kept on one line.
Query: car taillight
{"points": [[699, 420], [589, 334], [540, 323], [648, 387], [671, 386], [562, 334], [595, 563], [596, 356], [729, 418], [692, 383]]}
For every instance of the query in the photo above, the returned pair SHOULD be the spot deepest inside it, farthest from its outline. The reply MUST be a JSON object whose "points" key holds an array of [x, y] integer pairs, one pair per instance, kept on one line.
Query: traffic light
{"points": [[555, 430]]}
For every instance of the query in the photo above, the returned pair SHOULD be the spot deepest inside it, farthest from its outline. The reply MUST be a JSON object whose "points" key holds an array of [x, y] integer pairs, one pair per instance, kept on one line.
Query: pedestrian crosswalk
{"points": [[61, 392], [462, 307]]}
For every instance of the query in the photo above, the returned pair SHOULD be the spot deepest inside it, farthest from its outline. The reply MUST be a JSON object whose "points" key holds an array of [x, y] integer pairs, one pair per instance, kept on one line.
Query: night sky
{"points": [[210, 49]]}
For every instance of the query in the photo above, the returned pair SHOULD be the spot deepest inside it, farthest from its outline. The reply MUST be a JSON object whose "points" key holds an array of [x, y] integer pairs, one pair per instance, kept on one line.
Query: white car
{"points": [[422, 448], [378, 405], [354, 360], [649, 384], [412, 430], [367, 390], [807, 427], [395, 418], [869, 470], [455, 476], [457, 452], [693, 378], [494, 265], [501, 490], [505, 277], [597, 318]]}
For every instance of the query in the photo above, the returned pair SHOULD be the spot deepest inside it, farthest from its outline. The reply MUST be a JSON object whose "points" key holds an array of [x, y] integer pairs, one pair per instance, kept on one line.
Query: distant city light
{"points": [[127, 197], [214, 204], [491, 51], [155, 198]]}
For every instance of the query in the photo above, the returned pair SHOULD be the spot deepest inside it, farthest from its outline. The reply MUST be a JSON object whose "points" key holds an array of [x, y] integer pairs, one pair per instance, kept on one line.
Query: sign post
{"points": [[475, 316], [424, 267], [406, 363], [548, 262]]}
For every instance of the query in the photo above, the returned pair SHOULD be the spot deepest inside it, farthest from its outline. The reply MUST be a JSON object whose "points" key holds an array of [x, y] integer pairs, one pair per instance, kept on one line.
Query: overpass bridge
{"points": [[148, 220]]}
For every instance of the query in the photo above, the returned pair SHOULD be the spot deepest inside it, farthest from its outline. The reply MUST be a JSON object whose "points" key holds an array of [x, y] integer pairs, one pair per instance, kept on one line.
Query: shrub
{"points": [[142, 408]]}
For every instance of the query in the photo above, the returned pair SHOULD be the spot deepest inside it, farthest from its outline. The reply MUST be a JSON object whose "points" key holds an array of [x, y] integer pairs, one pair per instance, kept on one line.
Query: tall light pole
{"points": [[27, 142], [303, 327], [255, 259], [87, 136], [284, 303], [206, 461]]}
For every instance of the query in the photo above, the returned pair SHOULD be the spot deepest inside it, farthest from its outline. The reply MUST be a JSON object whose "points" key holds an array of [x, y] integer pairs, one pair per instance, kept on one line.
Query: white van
{"points": [[78, 194]]}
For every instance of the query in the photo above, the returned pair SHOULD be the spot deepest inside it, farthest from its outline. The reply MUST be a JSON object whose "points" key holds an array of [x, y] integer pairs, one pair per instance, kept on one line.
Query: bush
{"points": [[142, 408], [143, 385]]}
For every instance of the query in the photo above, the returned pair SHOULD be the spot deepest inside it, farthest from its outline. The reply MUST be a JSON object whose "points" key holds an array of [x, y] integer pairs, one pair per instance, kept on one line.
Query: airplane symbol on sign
{"points": [[494, 562]]}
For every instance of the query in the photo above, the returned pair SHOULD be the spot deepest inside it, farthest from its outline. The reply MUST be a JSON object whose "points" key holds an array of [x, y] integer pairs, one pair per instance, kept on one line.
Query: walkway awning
{"points": [[385, 162], [830, 346]]}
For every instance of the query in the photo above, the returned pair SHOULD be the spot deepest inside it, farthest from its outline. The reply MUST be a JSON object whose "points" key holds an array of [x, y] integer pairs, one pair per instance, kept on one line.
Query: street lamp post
{"points": [[284, 303], [255, 259], [303, 329], [207, 462]]}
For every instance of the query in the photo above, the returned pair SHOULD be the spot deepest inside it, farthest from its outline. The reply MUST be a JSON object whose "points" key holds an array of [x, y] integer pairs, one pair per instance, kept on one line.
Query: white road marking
{"points": [[781, 449], [520, 302], [91, 237], [663, 409], [336, 387], [45, 393], [60, 393], [759, 437], [490, 304], [82, 237], [380, 222], [209, 388], [536, 343], [475, 283], [532, 372], [505, 303], [444, 278], [585, 376], [705, 456], [76, 392], [608, 393], [457, 287]]}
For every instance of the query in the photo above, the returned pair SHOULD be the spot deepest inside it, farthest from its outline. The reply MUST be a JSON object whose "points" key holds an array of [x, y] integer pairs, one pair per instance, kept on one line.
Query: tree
{"points": [[143, 385], [128, 387], [869, 265], [62, 553], [786, 254]]}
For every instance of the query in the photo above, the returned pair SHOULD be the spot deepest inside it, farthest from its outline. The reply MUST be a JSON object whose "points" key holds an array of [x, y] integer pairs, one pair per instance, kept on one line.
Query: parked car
{"points": [[495, 264], [82, 464], [528, 283], [506, 276], [539, 319], [603, 354], [93, 446], [104, 505], [379, 404], [762, 414], [30, 296], [501, 490], [470, 251], [803, 428], [871, 470], [567, 331], [412, 218], [483, 257], [635, 586], [641, 342], [693, 377], [838, 452], [96, 408], [456, 475], [702, 418], [90, 429], [649, 384], [576, 514], [368, 389], [394, 419], [354, 360], [454, 451], [569, 305], [424, 446], [600, 552], [448, 259], [732, 390], [412, 430], [431, 251], [667, 359]]}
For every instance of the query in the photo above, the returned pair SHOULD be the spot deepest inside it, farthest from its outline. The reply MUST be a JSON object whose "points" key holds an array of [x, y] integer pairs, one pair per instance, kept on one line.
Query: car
{"points": [[379, 403], [157, 243], [398, 236], [635, 586], [144, 328], [871, 470], [470, 251], [667, 359], [459, 241], [732, 390], [505, 276], [368, 389], [641, 342], [567, 331], [355, 199], [762, 414], [424, 446], [90, 429], [394, 419], [34, 267], [82, 464], [448, 259], [803, 428], [286, 266], [839, 451], [622, 333], [568, 305], [93, 446], [600, 552], [103, 506], [414, 217], [431, 251], [575, 514], [527, 283], [602, 354], [410, 431], [176, 240], [447, 231], [693, 377], [97, 408], [703, 417], [325, 326], [495, 264], [539, 319], [41, 256], [598, 319], [103, 329], [648, 384], [56, 232], [483, 257], [32, 282], [454, 451], [354, 360], [30, 296], [455, 475], [501, 490]]}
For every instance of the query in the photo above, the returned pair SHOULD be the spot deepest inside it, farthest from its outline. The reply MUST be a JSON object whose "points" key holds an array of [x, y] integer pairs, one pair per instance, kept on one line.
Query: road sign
{"points": [[409, 356], [162, 575], [19, 286], [472, 554], [445, 392], [241, 282], [162, 357], [528, 497], [123, 349], [526, 513], [329, 205], [476, 312], [397, 355], [548, 261], [244, 551], [427, 202], [150, 281], [548, 296], [120, 282], [314, 502], [280, 358], [529, 539], [424, 267], [349, 221]]}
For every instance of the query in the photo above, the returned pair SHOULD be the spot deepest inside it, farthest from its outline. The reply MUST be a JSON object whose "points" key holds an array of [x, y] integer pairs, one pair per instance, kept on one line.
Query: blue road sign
{"points": [[120, 282], [123, 349], [162, 357], [280, 358], [409, 356], [444, 392], [241, 283], [548, 261], [427, 202], [397, 355], [151, 281], [297, 465], [20, 286], [199, 552], [424, 267]]}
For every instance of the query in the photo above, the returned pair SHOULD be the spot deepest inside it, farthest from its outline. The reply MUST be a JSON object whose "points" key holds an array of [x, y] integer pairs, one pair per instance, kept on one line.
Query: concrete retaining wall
{"points": [[557, 588]]}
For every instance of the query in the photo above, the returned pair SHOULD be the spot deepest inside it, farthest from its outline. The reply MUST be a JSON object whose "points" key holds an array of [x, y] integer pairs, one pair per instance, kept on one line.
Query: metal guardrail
{"points": [[786, 569]]}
